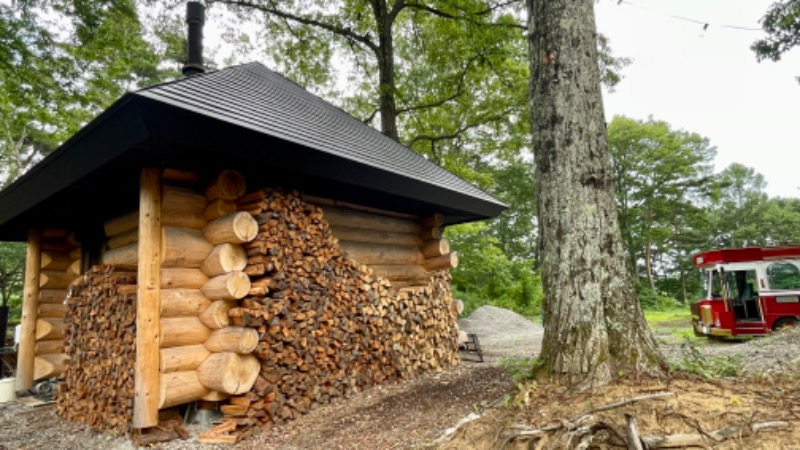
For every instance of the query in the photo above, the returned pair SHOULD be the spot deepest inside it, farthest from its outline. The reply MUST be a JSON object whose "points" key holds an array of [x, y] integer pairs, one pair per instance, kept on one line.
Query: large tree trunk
{"points": [[385, 57], [594, 325]]}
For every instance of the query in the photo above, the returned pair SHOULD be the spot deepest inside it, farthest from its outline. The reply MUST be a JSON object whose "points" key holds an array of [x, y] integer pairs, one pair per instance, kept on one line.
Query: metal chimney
{"points": [[195, 18]]}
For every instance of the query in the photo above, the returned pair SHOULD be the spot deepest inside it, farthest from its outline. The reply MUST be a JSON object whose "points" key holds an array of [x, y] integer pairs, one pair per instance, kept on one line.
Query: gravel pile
{"points": [[503, 333]]}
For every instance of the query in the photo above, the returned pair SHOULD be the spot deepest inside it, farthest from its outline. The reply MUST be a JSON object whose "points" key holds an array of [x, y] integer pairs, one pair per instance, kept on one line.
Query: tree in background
{"points": [[661, 175], [782, 24], [594, 326]]}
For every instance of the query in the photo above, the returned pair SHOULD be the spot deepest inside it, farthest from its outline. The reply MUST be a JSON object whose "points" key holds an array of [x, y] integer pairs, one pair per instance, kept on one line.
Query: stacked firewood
{"points": [[327, 326], [60, 265], [99, 334]]}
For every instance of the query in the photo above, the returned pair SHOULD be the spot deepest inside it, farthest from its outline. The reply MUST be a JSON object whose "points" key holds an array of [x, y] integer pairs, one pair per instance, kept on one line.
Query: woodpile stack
{"points": [[60, 264], [328, 326], [99, 333]]}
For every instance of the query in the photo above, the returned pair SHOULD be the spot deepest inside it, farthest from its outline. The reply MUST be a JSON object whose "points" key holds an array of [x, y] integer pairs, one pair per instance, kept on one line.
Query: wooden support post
{"points": [[30, 311], [148, 304]]}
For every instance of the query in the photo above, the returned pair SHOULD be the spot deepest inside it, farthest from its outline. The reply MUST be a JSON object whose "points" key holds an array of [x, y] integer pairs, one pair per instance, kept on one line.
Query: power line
{"points": [[706, 24]]}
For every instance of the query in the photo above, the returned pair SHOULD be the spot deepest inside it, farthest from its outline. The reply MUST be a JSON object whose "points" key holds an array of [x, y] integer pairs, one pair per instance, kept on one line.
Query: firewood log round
{"points": [[49, 329], [49, 347], [228, 372], [216, 315], [48, 366], [229, 286], [234, 228], [183, 247], [229, 185], [183, 302], [179, 331], [180, 277], [187, 357], [435, 247], [181, 387], [232, 339], [224, 258]]}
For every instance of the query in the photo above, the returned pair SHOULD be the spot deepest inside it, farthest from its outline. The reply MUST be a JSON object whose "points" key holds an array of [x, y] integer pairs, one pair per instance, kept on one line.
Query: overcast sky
{"points": [[709, 82]]}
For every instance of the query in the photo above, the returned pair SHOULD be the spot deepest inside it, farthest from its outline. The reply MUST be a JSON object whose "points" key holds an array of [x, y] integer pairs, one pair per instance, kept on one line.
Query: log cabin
{"points": [[230, 237]]}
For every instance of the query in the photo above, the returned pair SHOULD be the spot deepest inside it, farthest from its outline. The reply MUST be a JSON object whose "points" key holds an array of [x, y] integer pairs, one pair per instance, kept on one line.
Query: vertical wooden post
{"points": [[148, 316], [30, 312]]}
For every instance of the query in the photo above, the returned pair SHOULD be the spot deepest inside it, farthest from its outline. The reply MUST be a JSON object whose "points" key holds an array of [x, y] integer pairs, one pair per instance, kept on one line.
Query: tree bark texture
{"points": [[594, 325]]}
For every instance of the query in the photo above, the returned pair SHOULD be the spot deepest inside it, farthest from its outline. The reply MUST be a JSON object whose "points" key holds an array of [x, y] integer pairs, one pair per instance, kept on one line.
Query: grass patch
{"points": [[673, 326]]}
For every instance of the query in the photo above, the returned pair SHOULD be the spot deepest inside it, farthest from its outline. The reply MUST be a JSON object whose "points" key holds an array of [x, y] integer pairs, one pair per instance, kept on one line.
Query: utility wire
{"points": [[704, 23]]}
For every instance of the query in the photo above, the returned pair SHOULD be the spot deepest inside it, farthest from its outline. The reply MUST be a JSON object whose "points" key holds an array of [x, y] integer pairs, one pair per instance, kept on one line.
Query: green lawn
{"points": [[673, 325]]}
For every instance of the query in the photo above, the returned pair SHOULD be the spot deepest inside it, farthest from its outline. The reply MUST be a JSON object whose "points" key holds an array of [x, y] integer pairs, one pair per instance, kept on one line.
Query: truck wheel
{"points": [[784, 322]]}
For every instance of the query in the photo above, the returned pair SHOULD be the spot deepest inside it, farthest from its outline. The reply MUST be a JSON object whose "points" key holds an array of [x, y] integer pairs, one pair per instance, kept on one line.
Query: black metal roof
{"points": [[244, 117]]}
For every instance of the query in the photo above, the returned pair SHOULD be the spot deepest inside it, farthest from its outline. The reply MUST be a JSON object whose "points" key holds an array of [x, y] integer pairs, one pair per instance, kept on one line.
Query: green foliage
{"points": [[707, 366], [521, 369], [782, 24], [653, 299], [485, 275], [12, 265]]}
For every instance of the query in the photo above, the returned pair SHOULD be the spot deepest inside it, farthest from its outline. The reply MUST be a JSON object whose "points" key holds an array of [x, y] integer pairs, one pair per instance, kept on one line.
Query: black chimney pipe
{"points": [[195, 18]]}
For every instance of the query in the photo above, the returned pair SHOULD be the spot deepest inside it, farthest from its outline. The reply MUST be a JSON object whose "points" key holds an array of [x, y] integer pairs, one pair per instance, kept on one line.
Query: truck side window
{"points": [[783, 276]]}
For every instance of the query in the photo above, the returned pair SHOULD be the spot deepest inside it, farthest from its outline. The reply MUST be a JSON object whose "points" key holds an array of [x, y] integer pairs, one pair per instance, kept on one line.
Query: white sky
{"points": [[709, 82]]}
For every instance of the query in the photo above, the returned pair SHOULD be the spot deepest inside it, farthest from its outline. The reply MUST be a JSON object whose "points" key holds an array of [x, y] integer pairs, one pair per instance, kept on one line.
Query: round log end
{"points": [[245, 227]]}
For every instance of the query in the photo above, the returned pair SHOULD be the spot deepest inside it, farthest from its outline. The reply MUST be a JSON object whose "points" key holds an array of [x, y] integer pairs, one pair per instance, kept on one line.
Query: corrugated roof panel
{"points": [[257, 98]]}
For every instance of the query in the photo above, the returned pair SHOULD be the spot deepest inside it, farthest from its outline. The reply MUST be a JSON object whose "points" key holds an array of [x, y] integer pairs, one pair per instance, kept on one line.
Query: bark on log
{"points": [[183, 302], [339, 217], [52, 295], [230, 286], [51, 279], [127, 255], [180, 331], [228, 372], [216, 315], [370, 254], [449, 261], [121, 224], [48, 366], [49, 347], [229, 185], [224, 258], [435, 247], [129, 237], [179, 277], [182, 387], [232, 339], [183, 247], [375, 237], [399, 273], [49, 329], [235, 228], [55, 261], [219, 208], [52, 310], [187, 357]]}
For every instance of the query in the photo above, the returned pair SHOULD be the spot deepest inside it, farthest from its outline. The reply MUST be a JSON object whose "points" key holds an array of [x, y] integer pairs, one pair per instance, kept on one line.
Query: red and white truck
{"points": [[748, 291]]}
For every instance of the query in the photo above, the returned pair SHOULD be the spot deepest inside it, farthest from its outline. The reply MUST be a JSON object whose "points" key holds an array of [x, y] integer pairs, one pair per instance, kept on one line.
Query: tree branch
{"points": [[459, 90], [460, 131], [447, 15], [335, 29]]}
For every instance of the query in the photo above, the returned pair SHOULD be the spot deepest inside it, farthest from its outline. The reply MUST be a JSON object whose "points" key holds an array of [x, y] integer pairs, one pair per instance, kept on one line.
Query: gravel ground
{"points": [[410, 415]]}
